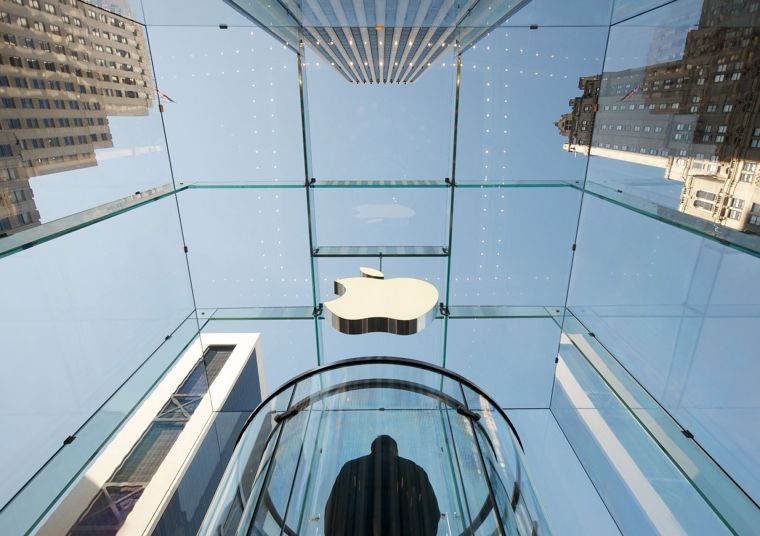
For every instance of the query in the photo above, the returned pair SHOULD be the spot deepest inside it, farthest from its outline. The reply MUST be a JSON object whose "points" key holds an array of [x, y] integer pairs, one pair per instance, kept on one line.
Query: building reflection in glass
{"points": [[697, 118], [65, 66]]}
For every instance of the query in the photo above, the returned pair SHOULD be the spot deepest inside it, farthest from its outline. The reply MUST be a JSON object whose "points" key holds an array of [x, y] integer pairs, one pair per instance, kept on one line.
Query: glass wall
{"points": [[577, 180]]}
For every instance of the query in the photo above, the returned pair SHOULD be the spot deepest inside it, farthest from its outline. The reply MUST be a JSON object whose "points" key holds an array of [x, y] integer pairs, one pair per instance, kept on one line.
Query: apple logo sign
{"points": [[371, 303]]}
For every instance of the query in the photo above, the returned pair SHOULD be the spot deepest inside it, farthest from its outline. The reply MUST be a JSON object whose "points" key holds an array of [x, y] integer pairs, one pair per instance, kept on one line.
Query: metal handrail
{"points": [[379, 360]]}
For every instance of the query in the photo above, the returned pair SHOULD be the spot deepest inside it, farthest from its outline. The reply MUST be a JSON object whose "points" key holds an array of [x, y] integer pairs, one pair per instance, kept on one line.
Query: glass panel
{"points": [[714, 485], [255, 264], [45, 487], [242, 88], [396, 131], [512, 246], [644, 491], [672, 123], [180, 13], [287, 347], [556, 474], [33, 236], [558, 13], [668, 307], [382, 217], [90, 296], [80, 120], [504, 134], [625, 9], [511, 359]]}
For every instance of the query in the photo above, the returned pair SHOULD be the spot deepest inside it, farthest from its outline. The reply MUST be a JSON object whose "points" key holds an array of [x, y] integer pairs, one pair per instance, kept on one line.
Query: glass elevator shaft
{"points": [[376, 446]]}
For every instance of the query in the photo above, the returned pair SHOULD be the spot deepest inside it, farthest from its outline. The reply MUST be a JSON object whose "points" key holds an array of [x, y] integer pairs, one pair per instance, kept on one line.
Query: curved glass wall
{"points": [[377, 445]]}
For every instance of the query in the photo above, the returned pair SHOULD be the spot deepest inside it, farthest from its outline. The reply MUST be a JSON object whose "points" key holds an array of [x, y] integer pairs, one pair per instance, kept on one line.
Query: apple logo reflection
{"points": [[382, 494]]}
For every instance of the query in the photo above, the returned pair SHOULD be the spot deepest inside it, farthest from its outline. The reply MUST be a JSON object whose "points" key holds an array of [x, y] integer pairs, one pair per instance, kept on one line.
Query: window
{"points": [[32, 123], [720, 77], [20, 82], [26, 103], [23, 22], [737, 203], [15, 61], [720, 138], [712, 108], [28, 42], [50, 8], [14, 123], [734, 214], [702, 194], [722, 129], [727, 108], [704, 205], [5, 150], [24, 218], [19, 196], [747, 171]]}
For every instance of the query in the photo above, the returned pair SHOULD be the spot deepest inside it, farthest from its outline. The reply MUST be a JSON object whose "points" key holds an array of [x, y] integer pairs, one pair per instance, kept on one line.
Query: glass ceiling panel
{"points": [[562, 13], [431, 269], [236, 114], [131, 9], [247, 248], [79, 117], [626, 9], [512, 245], [510, 359], [183, 13], [380, 131], [381, 216], [504, 133], [674, 120]]}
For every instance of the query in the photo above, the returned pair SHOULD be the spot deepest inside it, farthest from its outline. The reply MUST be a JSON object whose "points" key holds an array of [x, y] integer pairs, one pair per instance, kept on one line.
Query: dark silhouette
{"points": [[382, 495]]}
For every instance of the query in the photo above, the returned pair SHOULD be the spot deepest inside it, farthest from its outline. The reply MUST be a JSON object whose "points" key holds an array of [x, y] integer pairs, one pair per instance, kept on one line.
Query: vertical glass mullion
{"points": [[249, 514], [310, 198], [484, 466]]}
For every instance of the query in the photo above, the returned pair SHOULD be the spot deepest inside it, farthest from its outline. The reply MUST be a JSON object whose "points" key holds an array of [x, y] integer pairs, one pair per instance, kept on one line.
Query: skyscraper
{"points": [[698, 118], [64, 68]]}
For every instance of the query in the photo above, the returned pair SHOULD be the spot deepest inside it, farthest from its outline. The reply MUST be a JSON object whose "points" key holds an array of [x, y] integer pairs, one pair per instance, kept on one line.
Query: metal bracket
{"points": [[462, 410], [286, 415], [515, 495], [317, 312], [443, 309]]}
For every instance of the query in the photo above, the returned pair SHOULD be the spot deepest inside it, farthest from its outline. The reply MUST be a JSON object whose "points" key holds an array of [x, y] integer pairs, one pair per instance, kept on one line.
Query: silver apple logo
{"points": [[371, 303]]}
